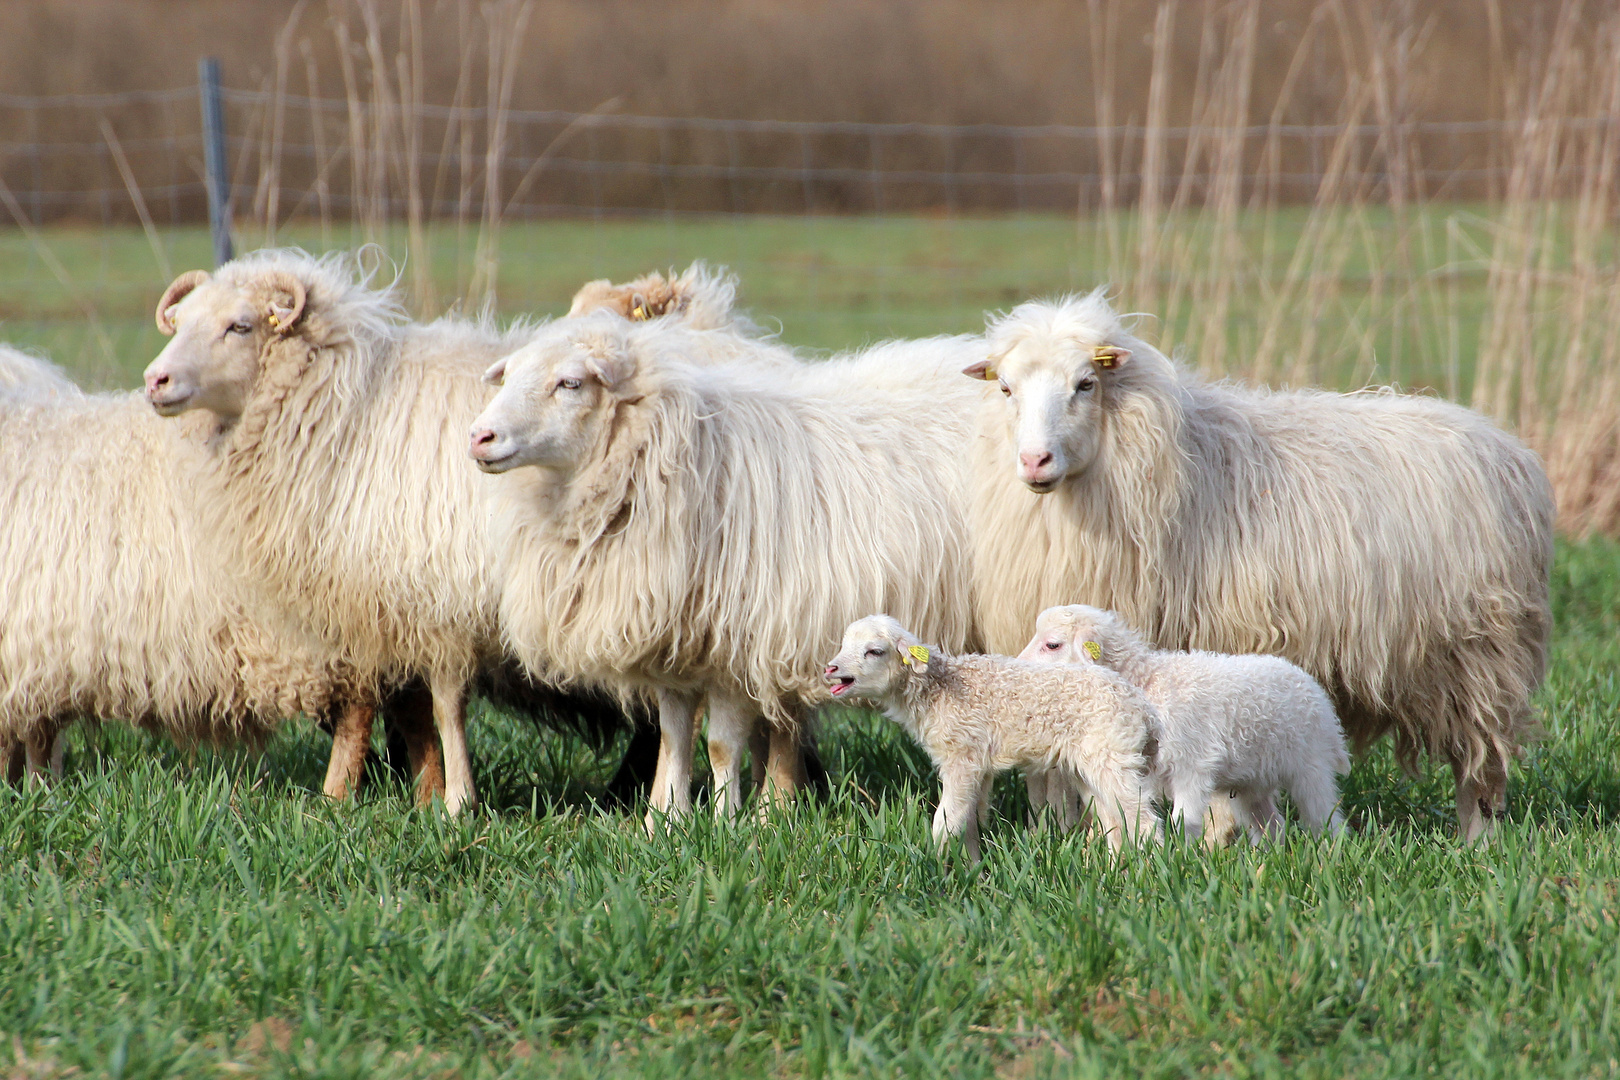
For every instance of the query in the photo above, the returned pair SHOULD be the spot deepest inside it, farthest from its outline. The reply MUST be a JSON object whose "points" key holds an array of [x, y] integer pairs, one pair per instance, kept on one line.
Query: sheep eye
{"points": [[1053, 646], [874, 652], [241, 328], [1084, 385], [568, 384], [1005, 389]]}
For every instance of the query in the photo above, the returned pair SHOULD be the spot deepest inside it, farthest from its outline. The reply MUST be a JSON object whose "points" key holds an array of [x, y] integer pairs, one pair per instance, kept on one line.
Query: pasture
{"points": [[171, 912]]}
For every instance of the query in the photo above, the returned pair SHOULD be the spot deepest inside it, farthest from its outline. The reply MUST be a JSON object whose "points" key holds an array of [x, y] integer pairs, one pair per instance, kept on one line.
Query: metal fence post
{"points": [[217, 182]]}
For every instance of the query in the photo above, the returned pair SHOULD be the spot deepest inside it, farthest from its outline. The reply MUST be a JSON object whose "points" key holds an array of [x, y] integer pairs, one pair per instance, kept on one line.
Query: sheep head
{"points": [[702, 298], [1077, 634], [1054, 363], [557, 397], [877, 657], [220, 331]]}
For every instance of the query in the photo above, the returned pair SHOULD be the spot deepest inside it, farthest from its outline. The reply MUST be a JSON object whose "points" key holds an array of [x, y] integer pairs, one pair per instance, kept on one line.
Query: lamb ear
{"points": [[496, 374], [1109, 356], [982, 369], [913, 654], [640, 310]]}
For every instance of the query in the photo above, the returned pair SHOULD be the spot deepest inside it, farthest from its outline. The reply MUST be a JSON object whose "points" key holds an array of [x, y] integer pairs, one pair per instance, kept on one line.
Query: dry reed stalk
{"points": [[323, 162], [506, 21], [156, 242]]}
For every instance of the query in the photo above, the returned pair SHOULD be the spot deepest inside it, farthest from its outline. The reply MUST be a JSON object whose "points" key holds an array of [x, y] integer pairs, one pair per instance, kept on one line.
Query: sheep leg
{"points": [[351, 735], [1221, 820], [449, 716], [1035, 784], [759, 752], [13, 760], [1265, 824], [982, 810], [784, 770], [672, 782], [732, 720], [959, 794], [409, 711], [1316, 797], [42, 755], [1122, 807], [1481, 799], [1188, 806]]}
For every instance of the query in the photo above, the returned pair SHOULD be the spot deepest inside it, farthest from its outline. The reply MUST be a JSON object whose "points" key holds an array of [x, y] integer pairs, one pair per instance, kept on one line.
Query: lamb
{"points": [[115, 604], [335, 479], [1245, 724], [675, 526], [1397, 548], [979, 715]]}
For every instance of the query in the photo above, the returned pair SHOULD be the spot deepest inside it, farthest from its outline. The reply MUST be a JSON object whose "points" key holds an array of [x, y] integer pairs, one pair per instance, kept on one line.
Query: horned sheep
{"points": [[336, 477], [693, 527], [1396, 547], [1248, 725], [978, 715]]}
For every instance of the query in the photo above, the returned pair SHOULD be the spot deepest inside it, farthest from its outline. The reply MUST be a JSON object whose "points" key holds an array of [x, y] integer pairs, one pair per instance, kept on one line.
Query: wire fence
{"points": [[98, 158]]}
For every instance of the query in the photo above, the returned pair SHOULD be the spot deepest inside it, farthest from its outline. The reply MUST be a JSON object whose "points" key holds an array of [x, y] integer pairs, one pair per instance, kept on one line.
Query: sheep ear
{"points": [[983, 369], [610, 371], [913, 654], [496, 374], [1109, 356], [640, 310]]}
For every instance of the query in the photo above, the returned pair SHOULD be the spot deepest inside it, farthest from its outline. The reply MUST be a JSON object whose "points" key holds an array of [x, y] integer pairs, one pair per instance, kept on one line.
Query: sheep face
{"points": [[1072, 634], [220, 332], [556, 397], [1053, 369], [876, 658]]}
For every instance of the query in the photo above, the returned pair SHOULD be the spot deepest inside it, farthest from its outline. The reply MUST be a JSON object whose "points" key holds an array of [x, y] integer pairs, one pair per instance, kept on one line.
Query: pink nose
{"points": [[832, 669], [483, 437], [1033, 461], [156, 381]]}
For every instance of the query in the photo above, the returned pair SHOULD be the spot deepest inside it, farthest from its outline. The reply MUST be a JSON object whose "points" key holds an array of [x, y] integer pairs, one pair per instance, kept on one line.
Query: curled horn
{"points": [[282, 322], [175, 293]]}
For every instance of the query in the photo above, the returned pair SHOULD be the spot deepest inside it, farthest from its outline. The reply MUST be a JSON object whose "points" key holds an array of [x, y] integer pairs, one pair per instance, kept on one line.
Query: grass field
{"points": [[171, 913], [831, 283], [167, 912]]}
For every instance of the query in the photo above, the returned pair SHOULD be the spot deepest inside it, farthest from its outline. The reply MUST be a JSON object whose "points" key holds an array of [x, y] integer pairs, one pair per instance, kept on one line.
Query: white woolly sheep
{"points": [[337, 478], [701, 297], [1244, 724], [25, 375], [115, 604], [1397, 548], [978, 715], [691, 527]]}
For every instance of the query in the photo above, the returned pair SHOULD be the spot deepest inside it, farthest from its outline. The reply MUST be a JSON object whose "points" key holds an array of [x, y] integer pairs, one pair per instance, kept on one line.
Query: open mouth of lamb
{"points": [[843, 684]]}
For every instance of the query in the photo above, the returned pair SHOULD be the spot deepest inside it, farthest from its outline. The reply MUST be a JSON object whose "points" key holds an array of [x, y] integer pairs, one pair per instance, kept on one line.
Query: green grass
{"points": [[172, 913], [829, 283]]}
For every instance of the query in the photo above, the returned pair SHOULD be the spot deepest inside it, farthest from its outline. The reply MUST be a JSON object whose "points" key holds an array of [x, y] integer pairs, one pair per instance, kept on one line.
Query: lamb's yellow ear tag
{"points": [[1093, 650], [918, 653], [274, 321]]}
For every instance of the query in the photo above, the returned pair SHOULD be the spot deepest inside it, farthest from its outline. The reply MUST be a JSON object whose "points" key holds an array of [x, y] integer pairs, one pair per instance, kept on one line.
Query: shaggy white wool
{"points": [[980, 715], [116, 603], [1249, 725], [1397, 548]]}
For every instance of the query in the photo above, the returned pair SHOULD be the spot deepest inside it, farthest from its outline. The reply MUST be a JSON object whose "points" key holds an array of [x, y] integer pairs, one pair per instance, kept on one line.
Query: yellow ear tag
{"points": [[918, 653], [274, 321], [640, 313], [1093, 650], [990, 374], [1105, 356]]}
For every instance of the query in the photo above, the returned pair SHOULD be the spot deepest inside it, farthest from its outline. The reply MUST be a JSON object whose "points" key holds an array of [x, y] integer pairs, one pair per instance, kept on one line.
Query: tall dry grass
{"points": [[1371, 247]]}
